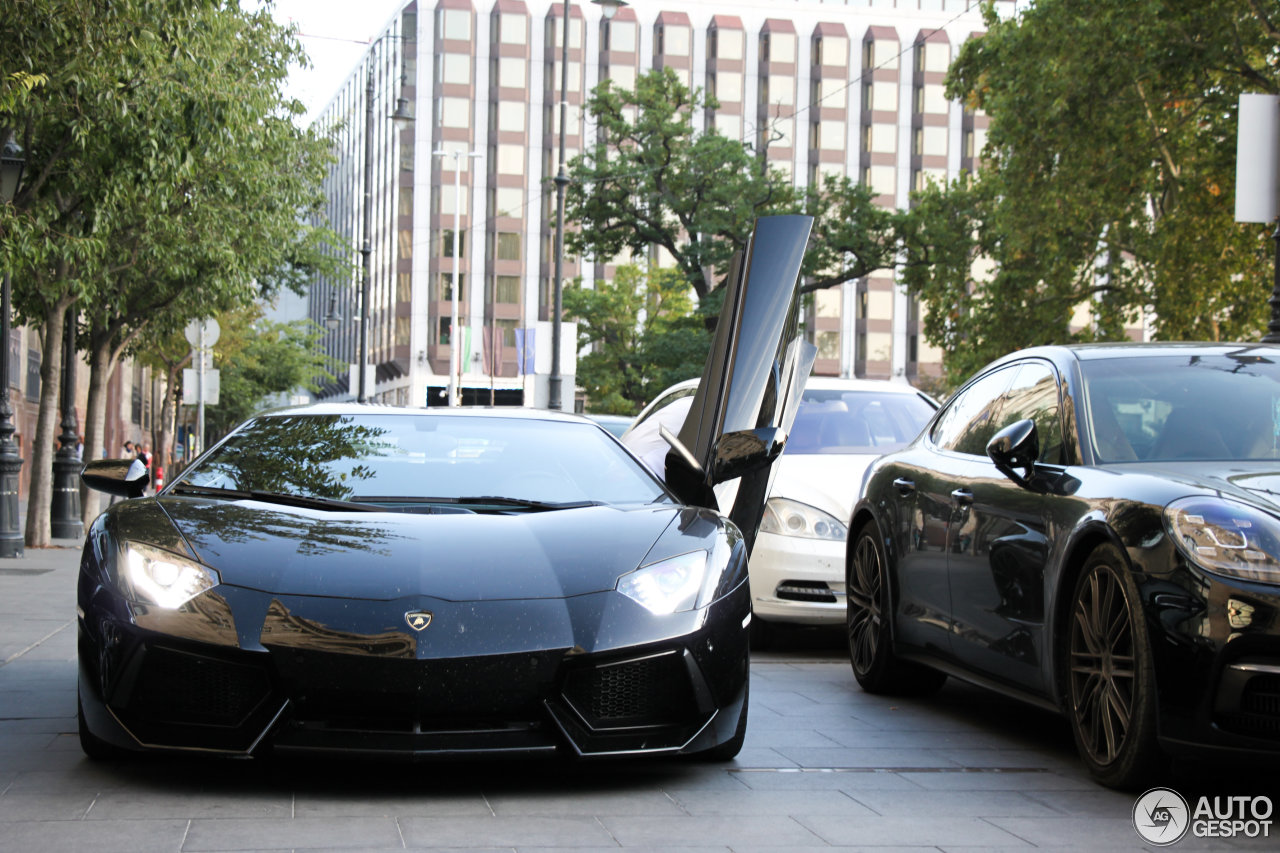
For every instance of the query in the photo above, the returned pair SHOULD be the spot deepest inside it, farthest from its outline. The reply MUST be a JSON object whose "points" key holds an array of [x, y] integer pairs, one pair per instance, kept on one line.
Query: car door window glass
{"points": [[968, 421], [1033, 395]]}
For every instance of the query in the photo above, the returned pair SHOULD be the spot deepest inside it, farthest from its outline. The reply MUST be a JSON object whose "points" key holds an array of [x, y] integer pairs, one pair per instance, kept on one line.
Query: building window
{"points": [[444, 287], [446, 243], [512, 72], [455, 68], [622, 36], [506, 289], [455, 112], [509, 201], [782, 47], [508, 246], [511, 117], [513, 29], [511, 159], [457, 24], [33, 382]]}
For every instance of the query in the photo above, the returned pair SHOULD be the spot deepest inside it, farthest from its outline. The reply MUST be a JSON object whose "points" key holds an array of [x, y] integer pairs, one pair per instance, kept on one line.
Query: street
{"points": [[825, 766]]}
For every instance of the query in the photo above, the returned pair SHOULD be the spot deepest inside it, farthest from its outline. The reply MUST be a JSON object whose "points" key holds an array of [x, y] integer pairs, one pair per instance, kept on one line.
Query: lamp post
{"points": [[401, 117], [64, 518], [11, 545], [455, 352], [607, 8]]}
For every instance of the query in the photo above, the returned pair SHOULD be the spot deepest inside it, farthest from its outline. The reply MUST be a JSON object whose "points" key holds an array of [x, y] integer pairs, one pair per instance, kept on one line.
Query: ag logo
{"points": [[1161, 817], [418, 619]]}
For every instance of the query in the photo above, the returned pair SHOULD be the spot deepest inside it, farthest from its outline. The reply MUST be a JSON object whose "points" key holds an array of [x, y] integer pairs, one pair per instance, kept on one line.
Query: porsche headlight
{"points": [[679, 583], [153, 576], [792, 518], [1226, 537]]}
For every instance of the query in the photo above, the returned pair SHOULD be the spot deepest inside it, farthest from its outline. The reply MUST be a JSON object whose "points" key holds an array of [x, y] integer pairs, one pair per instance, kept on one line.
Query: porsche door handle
{"points": [[904, 486], [962, 497]]}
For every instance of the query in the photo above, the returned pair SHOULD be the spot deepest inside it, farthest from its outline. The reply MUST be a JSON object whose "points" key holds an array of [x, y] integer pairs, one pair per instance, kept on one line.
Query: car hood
{"points": [[1255, 482], [829, 482], [383, 556]]}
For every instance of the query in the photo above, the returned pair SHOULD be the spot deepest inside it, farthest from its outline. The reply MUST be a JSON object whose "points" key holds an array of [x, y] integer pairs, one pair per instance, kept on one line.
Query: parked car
{"points": [[616, 424], [1096, 530], [380, 581], [797, 568]]}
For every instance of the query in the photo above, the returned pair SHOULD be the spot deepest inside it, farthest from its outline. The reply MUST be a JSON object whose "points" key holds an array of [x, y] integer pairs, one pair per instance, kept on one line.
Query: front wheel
{"points": [[1111, 679], [868, 615]]}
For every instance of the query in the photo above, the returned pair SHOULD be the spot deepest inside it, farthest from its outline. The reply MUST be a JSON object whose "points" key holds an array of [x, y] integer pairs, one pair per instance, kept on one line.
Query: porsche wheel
{"points": [[1110, 676], [868, 617]]}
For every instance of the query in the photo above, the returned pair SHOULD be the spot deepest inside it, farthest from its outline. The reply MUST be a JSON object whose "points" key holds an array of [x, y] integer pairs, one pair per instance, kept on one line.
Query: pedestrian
{"points": [[128, 450], [80, 447]]}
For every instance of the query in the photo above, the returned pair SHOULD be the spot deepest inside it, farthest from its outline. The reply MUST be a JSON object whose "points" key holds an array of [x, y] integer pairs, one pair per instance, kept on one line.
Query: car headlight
{"points": [[686, 582], [153, 576], [792, 518], [1226, 537]]}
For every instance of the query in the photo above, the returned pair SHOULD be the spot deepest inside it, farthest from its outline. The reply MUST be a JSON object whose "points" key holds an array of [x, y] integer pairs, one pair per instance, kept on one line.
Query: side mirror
{"points": [[126, 478], [738, 453], [1016, 446]]}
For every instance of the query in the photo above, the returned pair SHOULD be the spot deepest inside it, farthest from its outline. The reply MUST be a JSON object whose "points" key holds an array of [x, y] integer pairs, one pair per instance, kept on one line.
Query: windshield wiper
{"points": [[305, 501], [489, 500]]}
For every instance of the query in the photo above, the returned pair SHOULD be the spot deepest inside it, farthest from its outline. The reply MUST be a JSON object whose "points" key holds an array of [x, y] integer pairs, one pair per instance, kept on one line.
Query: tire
{"points": [[1109, 675], [94, 747], [729, 750], [868, 625]]}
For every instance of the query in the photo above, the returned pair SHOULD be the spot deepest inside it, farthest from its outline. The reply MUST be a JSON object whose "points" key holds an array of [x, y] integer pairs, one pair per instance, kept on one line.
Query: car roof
{"points": [[1138, 349]]}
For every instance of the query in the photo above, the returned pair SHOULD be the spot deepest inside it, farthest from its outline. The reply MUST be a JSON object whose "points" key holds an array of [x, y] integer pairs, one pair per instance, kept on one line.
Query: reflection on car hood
{"points": [[829, 482], [459, 557], [1255, 482]]}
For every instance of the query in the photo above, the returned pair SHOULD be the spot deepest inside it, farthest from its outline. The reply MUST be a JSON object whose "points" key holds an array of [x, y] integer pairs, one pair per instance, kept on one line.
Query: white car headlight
{"points": [[1226, 537], [679, 583], [792, 518], [153, 576]]}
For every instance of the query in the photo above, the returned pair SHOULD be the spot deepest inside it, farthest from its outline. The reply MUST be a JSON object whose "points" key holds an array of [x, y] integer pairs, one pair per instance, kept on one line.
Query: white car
{"points": [[797, 567]]}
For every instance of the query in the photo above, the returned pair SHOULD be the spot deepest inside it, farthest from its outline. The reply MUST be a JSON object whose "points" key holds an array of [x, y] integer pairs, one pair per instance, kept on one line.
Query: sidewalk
{"points": [[37, 594]]}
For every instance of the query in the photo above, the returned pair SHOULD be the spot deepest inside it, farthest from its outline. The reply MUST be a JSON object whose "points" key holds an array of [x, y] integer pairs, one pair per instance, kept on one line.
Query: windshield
{"points": [[838, 421], [1183, 407], [390, 457]]}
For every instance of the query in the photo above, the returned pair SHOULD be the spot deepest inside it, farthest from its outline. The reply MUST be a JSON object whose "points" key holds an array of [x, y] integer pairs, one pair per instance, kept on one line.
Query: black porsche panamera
{"points": [[1096, 530], [415, 583]]}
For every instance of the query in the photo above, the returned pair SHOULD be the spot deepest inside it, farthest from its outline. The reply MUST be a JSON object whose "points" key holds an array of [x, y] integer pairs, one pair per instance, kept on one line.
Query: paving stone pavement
{"points": [[825, 767]]}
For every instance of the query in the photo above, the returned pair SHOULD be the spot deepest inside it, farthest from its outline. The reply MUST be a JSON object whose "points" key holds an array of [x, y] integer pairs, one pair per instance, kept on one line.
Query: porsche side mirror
{"points": [[1016, 446], [126, 478], [738, 453]]}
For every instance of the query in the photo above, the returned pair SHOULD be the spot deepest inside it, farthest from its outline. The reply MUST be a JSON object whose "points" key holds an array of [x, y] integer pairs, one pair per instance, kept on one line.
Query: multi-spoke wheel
{"points": [[868, 623], [1109, 673]]}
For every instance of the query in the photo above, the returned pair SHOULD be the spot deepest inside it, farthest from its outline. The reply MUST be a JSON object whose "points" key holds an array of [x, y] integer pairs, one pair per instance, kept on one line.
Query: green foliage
{"points": [[643, 335], [257, 359], [695, 195], [1108, 180]]}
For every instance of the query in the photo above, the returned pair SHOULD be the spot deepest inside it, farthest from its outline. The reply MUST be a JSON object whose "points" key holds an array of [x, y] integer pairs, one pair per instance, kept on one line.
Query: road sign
{"points": [[191, 387], [211, 332]]}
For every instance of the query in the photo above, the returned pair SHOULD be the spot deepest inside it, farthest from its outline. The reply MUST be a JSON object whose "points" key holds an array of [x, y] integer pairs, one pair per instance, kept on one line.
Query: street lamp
{"points": [[455, 352], [401, 118], [607, 8], [11, 166], [332, 319]]}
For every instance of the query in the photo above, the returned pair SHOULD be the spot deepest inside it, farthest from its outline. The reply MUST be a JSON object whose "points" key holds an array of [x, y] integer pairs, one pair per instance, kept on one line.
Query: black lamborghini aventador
{"points": [[397, 582]]}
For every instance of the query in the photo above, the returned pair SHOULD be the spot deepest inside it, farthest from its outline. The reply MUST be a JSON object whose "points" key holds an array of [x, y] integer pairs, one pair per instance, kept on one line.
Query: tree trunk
{"points": [[168, 417], [40, 496], [101, 366]]}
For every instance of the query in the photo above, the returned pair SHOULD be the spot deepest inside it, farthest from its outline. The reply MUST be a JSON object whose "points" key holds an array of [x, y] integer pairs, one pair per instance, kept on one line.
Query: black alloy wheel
{"points": [[868, 626], [1110, 675]]}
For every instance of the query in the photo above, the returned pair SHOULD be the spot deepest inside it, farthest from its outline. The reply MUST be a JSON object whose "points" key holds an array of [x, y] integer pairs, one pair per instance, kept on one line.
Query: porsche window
{"points": [[426, 456], [1196, 407]]}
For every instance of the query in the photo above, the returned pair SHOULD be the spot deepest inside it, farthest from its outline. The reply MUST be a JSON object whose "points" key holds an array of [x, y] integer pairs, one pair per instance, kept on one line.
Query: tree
{"points": [[652, 180], [155, 116], [643, 336], [1107, 181], [256, 359]]}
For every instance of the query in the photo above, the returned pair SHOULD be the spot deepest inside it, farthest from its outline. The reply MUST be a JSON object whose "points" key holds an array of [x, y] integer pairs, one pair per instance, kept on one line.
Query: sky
{"points": [[335, 34]]}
